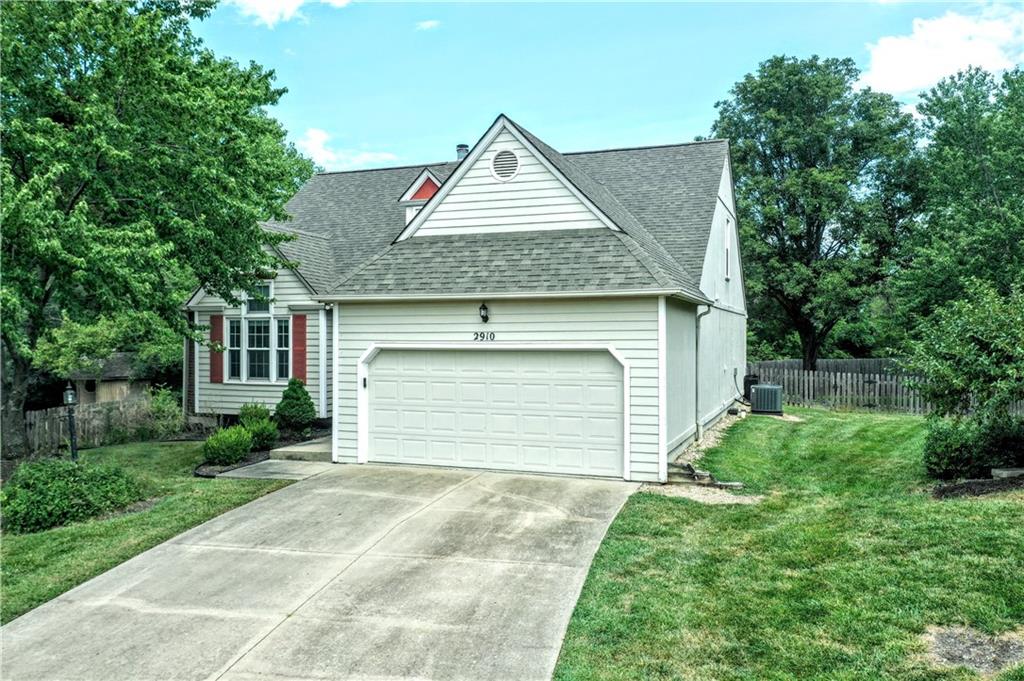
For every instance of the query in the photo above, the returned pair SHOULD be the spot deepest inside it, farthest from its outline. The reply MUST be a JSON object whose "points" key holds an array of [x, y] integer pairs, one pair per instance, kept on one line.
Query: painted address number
{"points": [[483, 335]]}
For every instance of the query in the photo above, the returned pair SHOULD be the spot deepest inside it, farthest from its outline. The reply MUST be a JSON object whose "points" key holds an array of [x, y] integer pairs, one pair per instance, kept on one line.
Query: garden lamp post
{"points": [[70, 400]]}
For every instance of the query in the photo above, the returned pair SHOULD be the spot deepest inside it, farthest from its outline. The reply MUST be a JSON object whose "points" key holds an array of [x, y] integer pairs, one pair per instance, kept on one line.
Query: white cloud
{"points": [[992, 38], [427, 25], [270, 12], [315, 144]]}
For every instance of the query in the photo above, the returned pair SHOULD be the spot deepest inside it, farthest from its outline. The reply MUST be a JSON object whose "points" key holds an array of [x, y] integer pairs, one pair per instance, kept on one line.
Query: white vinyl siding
{"points": [[723, 360], [228, 397], [630, 324], [680, 374], [534, 199]]}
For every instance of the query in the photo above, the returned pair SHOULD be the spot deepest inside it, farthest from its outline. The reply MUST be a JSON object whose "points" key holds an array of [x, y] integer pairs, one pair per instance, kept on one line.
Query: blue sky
{"points": [[377, 84]]}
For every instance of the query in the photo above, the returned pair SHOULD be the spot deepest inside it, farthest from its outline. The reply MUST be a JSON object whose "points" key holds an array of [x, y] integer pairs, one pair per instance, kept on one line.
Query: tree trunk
{"points": [[810, 345], [14, 436]]}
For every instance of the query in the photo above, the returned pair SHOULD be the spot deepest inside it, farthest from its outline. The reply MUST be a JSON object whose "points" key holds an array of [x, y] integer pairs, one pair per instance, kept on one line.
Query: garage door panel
{"points": [[502, 453], [543, 411], [410, 391]]}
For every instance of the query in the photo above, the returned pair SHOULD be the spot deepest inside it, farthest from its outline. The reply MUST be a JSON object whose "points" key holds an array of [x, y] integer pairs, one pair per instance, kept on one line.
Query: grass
{"points": [[834, 576], [39, 566]]}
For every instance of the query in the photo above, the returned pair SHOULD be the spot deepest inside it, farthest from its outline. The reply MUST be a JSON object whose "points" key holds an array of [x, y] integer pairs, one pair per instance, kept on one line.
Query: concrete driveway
{"points": [[360, 572]]}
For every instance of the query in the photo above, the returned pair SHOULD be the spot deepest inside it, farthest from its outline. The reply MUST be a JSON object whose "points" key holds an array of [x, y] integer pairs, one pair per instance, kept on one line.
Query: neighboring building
{"points": [[516, 309], [115, 380]]}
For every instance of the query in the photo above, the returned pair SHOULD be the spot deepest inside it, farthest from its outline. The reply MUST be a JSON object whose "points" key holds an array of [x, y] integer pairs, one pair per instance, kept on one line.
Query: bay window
{"points": [[259, 343]]}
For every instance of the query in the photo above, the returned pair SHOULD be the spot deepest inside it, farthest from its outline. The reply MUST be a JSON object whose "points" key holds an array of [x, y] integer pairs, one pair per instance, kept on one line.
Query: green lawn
{"points": [[37, 567], [834, 576]]}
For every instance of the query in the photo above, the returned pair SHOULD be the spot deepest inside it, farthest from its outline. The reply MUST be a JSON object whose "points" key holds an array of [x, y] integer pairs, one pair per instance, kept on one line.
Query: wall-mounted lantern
{"points": [[484, 315]]}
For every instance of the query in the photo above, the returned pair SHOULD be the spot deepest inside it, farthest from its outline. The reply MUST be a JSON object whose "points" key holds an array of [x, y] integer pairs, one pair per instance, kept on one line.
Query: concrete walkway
{"points": [[360, 572], [279, 469]]}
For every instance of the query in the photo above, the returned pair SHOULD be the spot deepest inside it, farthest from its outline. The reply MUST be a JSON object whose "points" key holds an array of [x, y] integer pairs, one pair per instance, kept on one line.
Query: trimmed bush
{"points": [[53, 492], [227, 446], [972, 447], [165, 411], [295, 411], [264, 434], [251, 413]]}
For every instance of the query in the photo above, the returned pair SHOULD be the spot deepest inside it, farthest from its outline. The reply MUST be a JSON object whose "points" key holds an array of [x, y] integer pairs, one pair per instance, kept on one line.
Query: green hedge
{"points": [[972, 447], [53, 492]]}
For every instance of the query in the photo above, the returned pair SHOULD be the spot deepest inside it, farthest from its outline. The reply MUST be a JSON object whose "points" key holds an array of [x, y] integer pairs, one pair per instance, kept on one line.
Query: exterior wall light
{"points": [[484, 315]]}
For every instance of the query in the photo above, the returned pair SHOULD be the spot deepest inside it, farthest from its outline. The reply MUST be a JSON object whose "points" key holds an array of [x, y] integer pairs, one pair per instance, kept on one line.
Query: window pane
{"points": [[259, 334], [282, 364], [259, 305], [259, 364], [234, 363], [282, 333], [234, 333]]}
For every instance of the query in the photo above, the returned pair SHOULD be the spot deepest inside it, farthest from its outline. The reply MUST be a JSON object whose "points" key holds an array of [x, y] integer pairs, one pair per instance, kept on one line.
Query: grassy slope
{"points": [[37, 567], [834, 576]]}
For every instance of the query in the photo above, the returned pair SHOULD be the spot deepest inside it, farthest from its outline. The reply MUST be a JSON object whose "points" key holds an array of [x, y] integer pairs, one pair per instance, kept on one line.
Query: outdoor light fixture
{"points": [[483, 313], [70, 400]]}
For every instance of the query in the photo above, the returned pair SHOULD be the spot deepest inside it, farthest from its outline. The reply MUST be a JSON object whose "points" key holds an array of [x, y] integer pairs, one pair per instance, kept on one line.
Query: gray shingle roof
{"points": [[510, 262], [119, 366], [663, 199]]}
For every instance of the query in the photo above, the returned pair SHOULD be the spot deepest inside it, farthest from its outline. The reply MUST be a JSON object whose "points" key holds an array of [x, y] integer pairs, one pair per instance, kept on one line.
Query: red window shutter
{"points": [[216, 358], [299, 347]]}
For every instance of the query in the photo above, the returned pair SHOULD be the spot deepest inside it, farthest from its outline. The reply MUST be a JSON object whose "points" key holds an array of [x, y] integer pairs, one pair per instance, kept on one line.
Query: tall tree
{"points": [[135, 164], [825, 182], [974, 180]]}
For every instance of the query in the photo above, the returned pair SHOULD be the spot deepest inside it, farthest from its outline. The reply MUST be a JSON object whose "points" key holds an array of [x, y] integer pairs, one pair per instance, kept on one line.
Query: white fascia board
{"points": [[674, 293]]}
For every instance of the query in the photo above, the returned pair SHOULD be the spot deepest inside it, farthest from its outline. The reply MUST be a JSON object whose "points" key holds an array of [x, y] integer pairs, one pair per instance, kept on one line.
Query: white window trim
{"points": [[371, 351], [243, 318]]}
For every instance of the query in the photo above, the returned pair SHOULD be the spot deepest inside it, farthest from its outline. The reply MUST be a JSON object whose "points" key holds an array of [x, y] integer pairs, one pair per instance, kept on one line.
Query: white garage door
{"points": [[541, 411]]}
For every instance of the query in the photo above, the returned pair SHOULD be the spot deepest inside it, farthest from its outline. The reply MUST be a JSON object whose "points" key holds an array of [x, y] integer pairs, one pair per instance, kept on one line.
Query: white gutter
{"points": [[676, 293]]}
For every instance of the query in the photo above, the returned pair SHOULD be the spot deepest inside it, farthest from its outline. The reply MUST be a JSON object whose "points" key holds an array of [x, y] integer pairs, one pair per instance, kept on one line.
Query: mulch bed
{"points": [[975, 488], [209, 470], [287, 439]]}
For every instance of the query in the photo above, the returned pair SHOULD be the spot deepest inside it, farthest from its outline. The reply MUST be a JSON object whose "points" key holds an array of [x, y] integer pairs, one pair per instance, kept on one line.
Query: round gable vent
{"points": [[505, 165]]}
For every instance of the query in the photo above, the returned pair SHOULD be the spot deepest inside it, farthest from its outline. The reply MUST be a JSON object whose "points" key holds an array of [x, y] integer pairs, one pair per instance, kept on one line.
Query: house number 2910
{"points": [[483, 335]]}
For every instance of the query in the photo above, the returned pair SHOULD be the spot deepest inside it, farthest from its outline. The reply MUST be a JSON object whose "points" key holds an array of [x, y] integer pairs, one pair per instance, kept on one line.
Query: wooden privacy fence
{"points": [[842, 389], [95, 424], [876, 384]]}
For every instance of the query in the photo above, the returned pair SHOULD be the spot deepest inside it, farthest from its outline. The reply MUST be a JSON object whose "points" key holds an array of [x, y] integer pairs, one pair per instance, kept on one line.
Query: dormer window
{"points": [[419, 192]]}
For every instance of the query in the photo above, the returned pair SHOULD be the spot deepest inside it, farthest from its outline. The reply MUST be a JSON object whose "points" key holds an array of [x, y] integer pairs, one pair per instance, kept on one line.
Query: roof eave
{"points": [[412, 297]]}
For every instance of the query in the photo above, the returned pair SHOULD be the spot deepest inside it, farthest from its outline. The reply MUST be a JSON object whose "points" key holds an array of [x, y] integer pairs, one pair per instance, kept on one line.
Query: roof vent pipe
{"points": [[461, 151]]}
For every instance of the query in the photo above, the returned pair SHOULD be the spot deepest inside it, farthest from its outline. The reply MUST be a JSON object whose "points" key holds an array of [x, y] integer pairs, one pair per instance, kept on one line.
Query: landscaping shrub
{"points": [[165, 410], [227, 446], [53, 492], [264, 434], [295, 411], [251, 413], [971, 447]]}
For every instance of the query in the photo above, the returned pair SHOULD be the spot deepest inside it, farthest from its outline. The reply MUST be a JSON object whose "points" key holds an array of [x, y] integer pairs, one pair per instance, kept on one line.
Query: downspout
{"points": [[698, 432]]}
